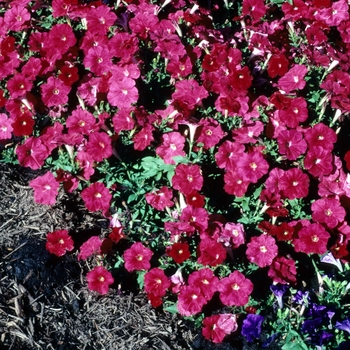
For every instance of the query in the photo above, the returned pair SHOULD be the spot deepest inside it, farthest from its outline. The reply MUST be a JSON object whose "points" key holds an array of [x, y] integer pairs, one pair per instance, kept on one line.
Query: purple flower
{"points": [[301, 298], [279, 290], [251, 328], [344, 325], [329, 259]]}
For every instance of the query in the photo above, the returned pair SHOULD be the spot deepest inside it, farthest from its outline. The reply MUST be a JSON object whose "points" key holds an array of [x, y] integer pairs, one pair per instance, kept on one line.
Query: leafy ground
{"points": [[44, 301]]}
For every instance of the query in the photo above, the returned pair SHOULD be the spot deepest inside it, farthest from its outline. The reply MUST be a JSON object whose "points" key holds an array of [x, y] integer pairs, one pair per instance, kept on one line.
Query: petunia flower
{"points": [[187, 178], [90, 247], [99, 279], [180, 252], [328, 211], [156, 282], [279, 291], [45, 189], [205, 280], [137, 257], [293, 79], [59, 242], [190, 300], [97, 197], [262, 250]]}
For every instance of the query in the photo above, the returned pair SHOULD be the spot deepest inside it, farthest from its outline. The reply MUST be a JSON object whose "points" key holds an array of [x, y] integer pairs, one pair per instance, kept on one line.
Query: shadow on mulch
{"points": [[44, 302]]}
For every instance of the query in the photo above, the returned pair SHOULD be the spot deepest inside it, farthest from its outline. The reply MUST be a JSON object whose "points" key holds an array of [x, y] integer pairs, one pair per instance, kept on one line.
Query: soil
{"points": [[44, 301]]}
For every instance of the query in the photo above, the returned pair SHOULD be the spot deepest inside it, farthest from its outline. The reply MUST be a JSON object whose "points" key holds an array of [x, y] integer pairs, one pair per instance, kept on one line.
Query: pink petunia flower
{"points": [[122, 93], [320, 135], [296, 112], [235, 183], [291, 144], [318, 161], [156, 282], [233, 234], [312, 239], [54, 92], [15, 18], [97, 197], [90, 247], [262, 250], [293, 79], [235, 289], [283, 270], [172, 146], [210, 133], [80, 121], [137, 257], [253, 166], [160, 199], [216, 327], [98, 60], [59, 242], [196, 217], [99, 146], [294, 183], [99, 279], [205, 280], [328, 211], [143, 138], [190, 300], [187, 178], [227, 155], [32, 153], [45, 189], [5, 127]]}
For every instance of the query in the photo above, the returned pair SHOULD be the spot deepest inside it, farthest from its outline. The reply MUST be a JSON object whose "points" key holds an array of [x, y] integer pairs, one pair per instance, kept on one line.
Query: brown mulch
{"points": [[44, 301]]}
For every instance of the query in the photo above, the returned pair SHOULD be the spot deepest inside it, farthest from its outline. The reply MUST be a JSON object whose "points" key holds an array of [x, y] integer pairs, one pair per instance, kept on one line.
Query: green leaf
{"points": [[141, 278], [172, 309]]}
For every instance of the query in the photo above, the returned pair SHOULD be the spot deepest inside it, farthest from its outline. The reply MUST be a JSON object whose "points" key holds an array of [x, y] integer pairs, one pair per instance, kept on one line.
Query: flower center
{"points": [[235, 286], [139, 257], [125, 92], [314, 239], [194, 296], [98, 195], [263, 249], [235, 233], [253, 165], [189, 178], [328, 212], [209, 132], [100, 60], [173, 146], [61, 241], [159, 281], [47, 187], [56, 91], [101, 278]]}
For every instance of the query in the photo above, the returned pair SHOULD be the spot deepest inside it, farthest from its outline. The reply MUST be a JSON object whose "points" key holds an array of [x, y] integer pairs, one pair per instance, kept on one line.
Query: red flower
{"points": [[196, 217], [122, 93], [23, 124], [45, 189], [320, 135], [59, 242], [187, 178], [5, 127], [32, 153], [117, 234], [155, 300], [99, 279], [283, 270], [190, 300], [254, 8], [296, 113], [312, 239], [235, 183], [235, 289], [210, 133], [54, 92], [253, 166], [211, 252], [328, 211], [180, 252], [160, 199], [156, 282], [278, 65], [293, 79], [205, 280], [97, 197], [234, 234], [99, 146], [143, 138], [227, 155], [90, 247], [123, 120], [80, 121], [318, 161], [216, 327], [19, 85], [137, 257], [294, 184], [195, 199], [172, 146], [262, 250], [283, 232], [68, 74], [291, 143]]}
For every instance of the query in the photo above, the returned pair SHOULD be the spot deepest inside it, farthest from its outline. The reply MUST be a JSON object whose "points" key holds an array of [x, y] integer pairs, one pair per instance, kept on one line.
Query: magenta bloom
{"points": [[90, 247], [205, 280], [216, 327], [253, 166], [99, 279], [156, 282], [122, 93], [32, 153], [190, 300], [16, 17], [54, 92], [296, 113], [227, 155], [318, 161], [99, 146], [97, 197], [137, 257], [80, 121], [210, 252], [312, 239], [262, 250], [196, 217], [235, 183], [172, 145], [328, 211], [187, 178], [5, 127], [210, 133], [99, 60], [291, 144], [320, 135], [235, 289], [293, 79], [283, 270], [294, 184], [45, 189], [161, 198], [59, 242], [233, 234]]}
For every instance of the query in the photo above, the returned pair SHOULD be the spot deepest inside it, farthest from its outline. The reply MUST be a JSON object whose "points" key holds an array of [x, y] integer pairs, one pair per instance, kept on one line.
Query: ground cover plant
{"points": [[213, 137]]}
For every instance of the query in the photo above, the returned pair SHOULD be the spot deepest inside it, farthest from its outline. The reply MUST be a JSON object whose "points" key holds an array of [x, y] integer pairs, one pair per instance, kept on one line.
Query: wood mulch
{"points": [[44, 301]]}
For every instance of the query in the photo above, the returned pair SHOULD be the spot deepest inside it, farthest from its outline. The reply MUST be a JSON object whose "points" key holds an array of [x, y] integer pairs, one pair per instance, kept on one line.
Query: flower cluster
{"points": [[208, 135]]}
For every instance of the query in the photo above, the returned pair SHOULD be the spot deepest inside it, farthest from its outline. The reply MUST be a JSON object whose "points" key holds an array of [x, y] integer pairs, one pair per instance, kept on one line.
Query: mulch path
{"points": [[44, 300]]}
